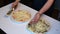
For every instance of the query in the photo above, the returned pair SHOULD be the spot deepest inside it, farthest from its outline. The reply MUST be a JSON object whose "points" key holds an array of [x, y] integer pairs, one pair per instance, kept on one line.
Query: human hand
{"points": [[14, 4], [35, 19]]}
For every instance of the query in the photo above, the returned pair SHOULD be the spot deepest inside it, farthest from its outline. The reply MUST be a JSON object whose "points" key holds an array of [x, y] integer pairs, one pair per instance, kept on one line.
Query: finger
{"points": [[30, 22], [14, 4], [33, 20]]}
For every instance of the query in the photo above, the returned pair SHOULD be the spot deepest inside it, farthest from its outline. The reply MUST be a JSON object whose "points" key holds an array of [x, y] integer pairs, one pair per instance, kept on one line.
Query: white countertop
{"points": [[11, 27]]}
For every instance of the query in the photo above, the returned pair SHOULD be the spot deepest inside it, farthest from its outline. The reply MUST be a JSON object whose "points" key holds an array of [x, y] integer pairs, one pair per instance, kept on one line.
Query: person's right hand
{"points": [[14, 4]]}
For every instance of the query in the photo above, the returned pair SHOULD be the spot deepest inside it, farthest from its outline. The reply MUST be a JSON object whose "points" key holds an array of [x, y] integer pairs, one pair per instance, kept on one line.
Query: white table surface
{"points": [[11, 27]]}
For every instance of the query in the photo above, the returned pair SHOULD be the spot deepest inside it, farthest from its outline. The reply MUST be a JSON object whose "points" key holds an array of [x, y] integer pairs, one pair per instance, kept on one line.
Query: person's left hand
{"points": [[35, 19]]}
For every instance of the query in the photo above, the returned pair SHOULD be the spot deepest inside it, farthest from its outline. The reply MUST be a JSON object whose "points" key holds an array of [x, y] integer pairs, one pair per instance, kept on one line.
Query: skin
{"points": [[46, 6]]}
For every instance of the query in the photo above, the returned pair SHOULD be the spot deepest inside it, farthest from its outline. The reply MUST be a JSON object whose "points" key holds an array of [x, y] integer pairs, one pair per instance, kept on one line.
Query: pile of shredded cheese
{"points": [[21, 15], [39, 27]]}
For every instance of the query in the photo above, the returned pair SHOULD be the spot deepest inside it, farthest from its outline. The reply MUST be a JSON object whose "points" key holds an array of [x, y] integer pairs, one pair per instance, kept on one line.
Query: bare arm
{"points": [[46, 6], [17, 0]]}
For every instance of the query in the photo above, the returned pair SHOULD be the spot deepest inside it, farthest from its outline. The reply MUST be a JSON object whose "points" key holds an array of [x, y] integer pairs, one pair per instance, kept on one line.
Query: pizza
{"points": [[21, 15]]}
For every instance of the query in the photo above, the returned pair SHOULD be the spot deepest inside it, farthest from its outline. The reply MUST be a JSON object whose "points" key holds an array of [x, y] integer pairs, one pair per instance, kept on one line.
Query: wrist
{"points": [[17, 0], [39, 13]]}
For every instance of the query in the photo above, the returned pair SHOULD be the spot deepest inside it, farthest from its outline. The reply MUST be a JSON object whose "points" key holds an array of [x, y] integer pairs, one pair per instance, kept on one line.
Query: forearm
{"points": [[46, 6], [17, 0]]}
